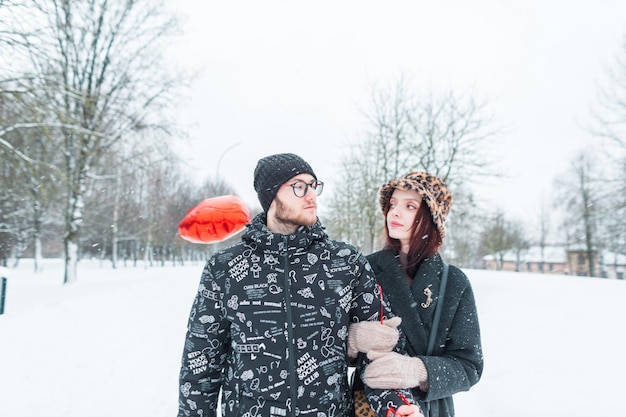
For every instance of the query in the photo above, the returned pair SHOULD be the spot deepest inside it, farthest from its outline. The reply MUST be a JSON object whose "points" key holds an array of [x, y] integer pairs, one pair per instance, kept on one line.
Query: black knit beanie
{"points": [[273, 171]]}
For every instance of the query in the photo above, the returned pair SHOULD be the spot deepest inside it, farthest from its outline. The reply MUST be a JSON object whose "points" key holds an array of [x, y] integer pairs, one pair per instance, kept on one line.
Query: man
{"points": [[269, 323]]}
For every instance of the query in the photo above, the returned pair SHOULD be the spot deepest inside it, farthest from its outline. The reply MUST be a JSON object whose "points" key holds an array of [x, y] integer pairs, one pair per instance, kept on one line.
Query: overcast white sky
{"points": [[286, 76]]}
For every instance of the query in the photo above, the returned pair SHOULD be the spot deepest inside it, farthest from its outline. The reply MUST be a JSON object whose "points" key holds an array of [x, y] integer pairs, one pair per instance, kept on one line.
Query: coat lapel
{"points": [[427, 278], [402, 299]]}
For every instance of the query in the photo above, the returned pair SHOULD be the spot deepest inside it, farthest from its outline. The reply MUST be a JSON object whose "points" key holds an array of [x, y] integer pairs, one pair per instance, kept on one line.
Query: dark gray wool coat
{"points": [[456, 363]]}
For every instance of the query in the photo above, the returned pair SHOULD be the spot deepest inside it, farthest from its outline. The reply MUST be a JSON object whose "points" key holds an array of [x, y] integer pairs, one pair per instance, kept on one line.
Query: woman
{"points": [[409, 269]]}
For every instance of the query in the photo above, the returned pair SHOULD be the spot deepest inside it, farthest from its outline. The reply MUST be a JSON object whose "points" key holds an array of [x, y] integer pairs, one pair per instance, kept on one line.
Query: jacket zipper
{"points": [[290, 344]]}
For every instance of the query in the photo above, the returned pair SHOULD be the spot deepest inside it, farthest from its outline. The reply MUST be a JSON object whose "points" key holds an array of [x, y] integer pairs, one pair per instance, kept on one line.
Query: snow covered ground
{"points": [[110, 344]]}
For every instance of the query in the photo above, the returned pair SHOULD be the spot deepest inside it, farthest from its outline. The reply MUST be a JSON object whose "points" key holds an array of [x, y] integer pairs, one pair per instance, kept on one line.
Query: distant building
{"points": [[613, 265], [558, 260]]}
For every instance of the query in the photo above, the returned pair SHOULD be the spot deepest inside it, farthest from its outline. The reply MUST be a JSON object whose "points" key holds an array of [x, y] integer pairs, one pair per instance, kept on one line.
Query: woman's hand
{"points": [[412, 410]]}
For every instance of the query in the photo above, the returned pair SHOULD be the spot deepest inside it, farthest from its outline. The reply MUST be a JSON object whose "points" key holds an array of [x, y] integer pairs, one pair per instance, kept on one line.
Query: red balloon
{"points": [[214, 220]]}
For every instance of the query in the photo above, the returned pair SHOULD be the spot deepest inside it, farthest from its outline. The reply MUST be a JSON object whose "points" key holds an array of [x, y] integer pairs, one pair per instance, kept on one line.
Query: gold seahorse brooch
{"points": [[429, 297]]}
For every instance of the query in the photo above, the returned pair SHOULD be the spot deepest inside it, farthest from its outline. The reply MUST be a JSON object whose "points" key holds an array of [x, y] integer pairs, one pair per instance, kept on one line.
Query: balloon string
{"points": [[382, 311]]}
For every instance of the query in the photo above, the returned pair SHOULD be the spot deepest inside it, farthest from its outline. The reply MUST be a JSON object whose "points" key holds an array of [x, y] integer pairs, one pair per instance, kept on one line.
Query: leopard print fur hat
{"points": [[432, 190]]}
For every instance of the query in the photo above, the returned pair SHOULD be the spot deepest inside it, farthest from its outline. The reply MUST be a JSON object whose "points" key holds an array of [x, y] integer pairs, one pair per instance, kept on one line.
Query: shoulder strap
{"points": [[438, 308]]}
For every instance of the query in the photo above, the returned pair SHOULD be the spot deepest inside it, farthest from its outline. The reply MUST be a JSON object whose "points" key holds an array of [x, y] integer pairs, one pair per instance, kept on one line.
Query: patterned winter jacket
{"points": [[269, 324], [456, 363]]}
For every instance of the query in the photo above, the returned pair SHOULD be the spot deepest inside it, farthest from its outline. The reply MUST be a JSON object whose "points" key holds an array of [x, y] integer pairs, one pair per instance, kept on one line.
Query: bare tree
{"points": [[446, 135], [502, 236], [610, 113], [465, 222], [578, 196], [544, 231], [30, 160], [610, 129], [353, 211], [96, 66]]}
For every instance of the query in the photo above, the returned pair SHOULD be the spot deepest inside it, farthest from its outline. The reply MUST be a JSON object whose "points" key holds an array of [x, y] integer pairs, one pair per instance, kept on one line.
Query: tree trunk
{"points": [[37, 257], [71, 261], [72, 226], [116, 215]]}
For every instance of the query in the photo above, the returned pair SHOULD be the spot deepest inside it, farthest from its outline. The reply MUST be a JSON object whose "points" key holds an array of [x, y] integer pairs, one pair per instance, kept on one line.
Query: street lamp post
{"points": [[219, 160]]}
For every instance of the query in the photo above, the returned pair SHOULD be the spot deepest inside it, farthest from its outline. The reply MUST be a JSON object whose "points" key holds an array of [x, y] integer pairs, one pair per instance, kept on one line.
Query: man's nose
{"points": [[310, 193]]}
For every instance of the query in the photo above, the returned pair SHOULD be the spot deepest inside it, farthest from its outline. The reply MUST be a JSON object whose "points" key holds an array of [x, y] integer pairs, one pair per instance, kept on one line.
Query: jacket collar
{"points": [[259, 236]]}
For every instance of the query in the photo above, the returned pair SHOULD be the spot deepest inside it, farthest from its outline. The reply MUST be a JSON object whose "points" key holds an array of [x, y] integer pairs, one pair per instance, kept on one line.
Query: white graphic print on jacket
{"points": [[269, 325]]}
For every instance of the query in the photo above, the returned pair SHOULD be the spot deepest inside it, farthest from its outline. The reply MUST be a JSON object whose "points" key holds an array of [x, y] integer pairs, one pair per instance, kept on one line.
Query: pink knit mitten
{"points": [[390, 370], [371, 335]]}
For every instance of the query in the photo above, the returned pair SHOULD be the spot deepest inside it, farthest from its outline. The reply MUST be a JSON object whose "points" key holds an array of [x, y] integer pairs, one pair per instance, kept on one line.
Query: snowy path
{"points": [[110, 344]]}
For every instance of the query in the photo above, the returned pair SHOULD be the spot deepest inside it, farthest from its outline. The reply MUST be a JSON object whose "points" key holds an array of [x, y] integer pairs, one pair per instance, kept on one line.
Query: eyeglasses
{"points": [[300, 188]]}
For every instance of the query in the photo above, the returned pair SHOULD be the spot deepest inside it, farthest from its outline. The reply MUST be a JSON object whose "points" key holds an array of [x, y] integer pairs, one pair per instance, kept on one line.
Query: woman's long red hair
{"points": [[425, 239]]}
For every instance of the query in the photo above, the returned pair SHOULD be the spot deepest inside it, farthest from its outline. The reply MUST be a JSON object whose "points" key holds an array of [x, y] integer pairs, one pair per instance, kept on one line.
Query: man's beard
{"points": [[283, 216]]}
